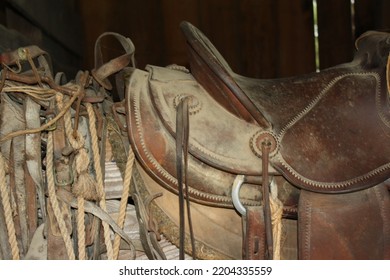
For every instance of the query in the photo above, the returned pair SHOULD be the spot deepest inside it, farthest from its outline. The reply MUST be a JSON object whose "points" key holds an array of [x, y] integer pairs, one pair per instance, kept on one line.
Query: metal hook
{"points": [[236, 194]]}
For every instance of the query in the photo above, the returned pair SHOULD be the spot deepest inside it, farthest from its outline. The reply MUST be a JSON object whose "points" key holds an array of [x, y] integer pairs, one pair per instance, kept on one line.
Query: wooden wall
{"points": [[259, 38], [55, 26]]}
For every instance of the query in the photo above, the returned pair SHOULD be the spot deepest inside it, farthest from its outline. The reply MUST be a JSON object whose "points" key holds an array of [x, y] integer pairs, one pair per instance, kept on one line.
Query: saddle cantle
{"points": [[325, 130], [328, 127]]}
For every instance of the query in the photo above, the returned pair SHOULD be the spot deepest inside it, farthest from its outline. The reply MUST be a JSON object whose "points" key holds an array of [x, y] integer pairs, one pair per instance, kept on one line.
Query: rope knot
{"points": [[85, 185]]}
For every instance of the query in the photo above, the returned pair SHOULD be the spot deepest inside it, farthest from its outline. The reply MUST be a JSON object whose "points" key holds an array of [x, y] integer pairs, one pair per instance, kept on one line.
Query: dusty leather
{"points": [[330, 111], [331, 226], [326, 130]]}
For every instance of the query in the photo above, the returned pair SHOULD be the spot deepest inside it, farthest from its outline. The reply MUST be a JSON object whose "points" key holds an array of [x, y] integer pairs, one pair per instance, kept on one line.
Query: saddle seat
{"points": [[327, 128]]}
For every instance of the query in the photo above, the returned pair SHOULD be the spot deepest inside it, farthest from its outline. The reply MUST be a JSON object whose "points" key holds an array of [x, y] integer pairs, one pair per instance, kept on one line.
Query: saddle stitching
{"points": [[323, 92], [307, 231], [342, 184], [192, 192], [195, 105], [254, 143], [194, 109], [331, 185]]}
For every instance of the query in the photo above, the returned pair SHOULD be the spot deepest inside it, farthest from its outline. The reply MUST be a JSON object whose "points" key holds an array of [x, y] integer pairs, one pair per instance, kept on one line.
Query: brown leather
{"points": [[331, 111], [156, 149], [345, 226], [254, 236], [102, 69], [325, 132]]}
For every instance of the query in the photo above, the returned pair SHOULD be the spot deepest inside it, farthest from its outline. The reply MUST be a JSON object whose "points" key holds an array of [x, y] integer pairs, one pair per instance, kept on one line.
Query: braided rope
{"points": [[53, 197], [99, 177], [5, 199], [276, 218], [124, 198], [85, 186]]}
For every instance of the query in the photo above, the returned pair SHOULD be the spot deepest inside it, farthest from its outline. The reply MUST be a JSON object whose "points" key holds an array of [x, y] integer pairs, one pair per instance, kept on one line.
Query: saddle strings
{"points": [[265, 149], [182, 135]]}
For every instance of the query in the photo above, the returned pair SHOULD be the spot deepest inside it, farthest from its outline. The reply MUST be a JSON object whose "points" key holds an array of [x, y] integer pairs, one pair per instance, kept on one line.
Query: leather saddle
{"points": [[325, 135], [342, 112]]}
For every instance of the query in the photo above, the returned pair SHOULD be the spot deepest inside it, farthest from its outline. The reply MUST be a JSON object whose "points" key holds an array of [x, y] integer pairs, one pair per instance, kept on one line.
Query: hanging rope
{"points": [[53, 197], [276, 218], [5, 199], [84, 186], [124, 198], [99, 177]]}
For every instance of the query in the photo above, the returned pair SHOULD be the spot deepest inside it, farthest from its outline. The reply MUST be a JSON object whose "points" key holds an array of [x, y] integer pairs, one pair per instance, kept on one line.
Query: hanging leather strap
{"points": [[182, 136], [265, 149], [254, 233]]}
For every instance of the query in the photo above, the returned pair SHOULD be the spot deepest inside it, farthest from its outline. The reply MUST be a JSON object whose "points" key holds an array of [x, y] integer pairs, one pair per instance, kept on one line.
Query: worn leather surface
{"points": [[345, 226], [155, 149], [326, 131], [342, 112]]}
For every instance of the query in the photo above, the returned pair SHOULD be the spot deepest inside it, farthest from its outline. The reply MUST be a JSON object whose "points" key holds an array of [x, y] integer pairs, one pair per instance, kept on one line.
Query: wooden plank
{"points": [[96, 16], [174, 12], [295, 37], [58, 19], [371, 15], [257, 38], [218, 20], [277, 38], [335, 32], [259, 44]]}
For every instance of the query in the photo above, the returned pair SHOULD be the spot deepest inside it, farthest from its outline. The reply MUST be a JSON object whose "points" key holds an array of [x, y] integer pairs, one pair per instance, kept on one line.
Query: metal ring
{"points": [[236, 194]]}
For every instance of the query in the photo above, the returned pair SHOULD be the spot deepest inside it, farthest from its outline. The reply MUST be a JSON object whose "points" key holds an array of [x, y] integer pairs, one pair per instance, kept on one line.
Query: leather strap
{"points": [[182, 136], [254, 238], [13, 57], [388, 74], [103, 70], [265, 148]]}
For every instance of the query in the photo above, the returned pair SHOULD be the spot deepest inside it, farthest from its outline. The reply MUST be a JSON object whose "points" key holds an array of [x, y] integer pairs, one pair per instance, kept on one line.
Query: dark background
{"points": [[259, 38]]}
